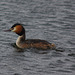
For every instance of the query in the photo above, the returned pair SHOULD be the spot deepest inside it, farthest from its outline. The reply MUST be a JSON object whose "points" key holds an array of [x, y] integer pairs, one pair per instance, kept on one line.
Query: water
{"points": [[51, 20]]}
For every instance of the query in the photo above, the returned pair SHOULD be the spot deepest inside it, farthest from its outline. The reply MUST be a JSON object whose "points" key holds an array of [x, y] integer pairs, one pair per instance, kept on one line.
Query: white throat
{"points": [[20, 41]]}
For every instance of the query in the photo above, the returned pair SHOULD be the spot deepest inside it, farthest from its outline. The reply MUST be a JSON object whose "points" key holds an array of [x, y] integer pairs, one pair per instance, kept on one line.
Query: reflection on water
{"points": [[51, 20]]}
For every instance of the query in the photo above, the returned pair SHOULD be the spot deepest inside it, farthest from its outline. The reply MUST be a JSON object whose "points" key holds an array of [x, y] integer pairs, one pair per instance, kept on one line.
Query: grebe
{"points": [[21, 42]]}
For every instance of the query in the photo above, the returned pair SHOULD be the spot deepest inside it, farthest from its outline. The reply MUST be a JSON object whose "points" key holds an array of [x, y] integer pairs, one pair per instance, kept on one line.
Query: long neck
{"points": [[20, 40]]}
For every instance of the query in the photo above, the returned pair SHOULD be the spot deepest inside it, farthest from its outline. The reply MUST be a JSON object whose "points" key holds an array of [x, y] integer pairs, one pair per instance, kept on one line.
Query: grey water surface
{"points": [[51, 20]]}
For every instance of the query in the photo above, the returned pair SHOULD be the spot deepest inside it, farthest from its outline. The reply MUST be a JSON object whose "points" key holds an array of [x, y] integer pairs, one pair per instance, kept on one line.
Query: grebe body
{"points": [[21, 42]]}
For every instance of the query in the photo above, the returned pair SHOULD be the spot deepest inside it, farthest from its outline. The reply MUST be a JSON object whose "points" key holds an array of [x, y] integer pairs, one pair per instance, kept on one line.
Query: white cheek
{"points": [[14, 29]]}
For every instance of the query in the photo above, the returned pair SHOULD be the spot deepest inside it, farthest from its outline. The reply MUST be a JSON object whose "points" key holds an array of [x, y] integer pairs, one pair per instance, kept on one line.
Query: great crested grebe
{"points": [[21, 42]]}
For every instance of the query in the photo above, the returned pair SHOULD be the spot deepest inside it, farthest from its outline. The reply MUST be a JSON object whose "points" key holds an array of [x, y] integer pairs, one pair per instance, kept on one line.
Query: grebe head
{"points": [[18, 29]]}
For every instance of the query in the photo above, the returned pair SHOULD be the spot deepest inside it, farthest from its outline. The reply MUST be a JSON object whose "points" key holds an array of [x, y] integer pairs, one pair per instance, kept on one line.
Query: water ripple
{"points": [[51, 20]]}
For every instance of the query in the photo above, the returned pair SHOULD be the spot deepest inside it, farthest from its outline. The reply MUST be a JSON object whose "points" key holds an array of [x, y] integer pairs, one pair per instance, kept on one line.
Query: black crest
{"points": [[23, 30], [16, 24]]}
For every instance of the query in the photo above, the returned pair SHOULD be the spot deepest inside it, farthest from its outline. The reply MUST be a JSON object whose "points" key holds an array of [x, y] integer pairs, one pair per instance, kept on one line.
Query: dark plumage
{"points": [[34, 43]]}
